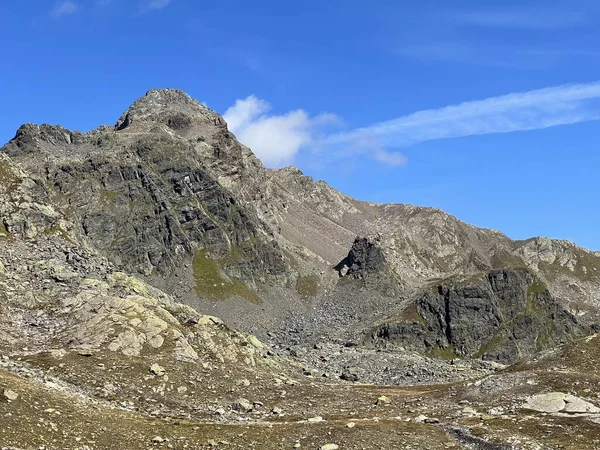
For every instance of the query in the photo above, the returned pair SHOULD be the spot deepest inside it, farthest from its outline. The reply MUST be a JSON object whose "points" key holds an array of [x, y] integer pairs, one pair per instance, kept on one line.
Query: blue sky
{"points": [[487, 110]]}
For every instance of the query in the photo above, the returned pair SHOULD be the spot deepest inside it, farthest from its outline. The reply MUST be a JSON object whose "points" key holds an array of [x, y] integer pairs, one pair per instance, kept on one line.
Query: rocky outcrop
{"points": [[504, 315]]}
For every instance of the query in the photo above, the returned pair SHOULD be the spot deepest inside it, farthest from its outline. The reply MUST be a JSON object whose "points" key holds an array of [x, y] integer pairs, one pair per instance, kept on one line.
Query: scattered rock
{"points": [[10, 395], [555, 402], [350, 374], [431, 420], [157, 370], [242, 405], [382, 401], [330, 447]]}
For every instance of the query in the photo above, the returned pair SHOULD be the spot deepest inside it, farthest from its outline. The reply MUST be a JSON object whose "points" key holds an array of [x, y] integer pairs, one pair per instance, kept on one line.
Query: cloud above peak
{"points": [[276, 139], [521, 111], [64, 8], [154, 5]]}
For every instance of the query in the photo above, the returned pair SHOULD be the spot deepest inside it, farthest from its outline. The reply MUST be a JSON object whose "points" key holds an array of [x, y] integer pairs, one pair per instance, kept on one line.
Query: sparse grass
{"points": [[57, 229], [3, 231], [410, 314], [443, 353], [8, 179], [211, 282], [108, 197], [506, 260], [308, 285], [494, 342]]}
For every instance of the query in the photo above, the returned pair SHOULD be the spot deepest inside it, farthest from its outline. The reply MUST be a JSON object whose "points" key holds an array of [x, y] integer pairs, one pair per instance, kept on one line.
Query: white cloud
{"points": [[64, 8], [154, 5], [276, 139], [390, 158], [542, 108]]}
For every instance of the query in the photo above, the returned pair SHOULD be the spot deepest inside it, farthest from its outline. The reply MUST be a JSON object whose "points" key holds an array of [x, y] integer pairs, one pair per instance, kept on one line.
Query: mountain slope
{"points": [[119, 246], [169, 193]]}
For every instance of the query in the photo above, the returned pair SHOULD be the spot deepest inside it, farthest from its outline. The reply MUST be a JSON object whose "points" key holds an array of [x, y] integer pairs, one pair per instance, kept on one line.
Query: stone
{"points": [[157, 440], [383, 400], [242, 405], [157, 369], [469, 411], [315, 419], [330, 447], [244, 382], [431, 420], [350, 374], [555, 402], [350, 425], [10, 395]]}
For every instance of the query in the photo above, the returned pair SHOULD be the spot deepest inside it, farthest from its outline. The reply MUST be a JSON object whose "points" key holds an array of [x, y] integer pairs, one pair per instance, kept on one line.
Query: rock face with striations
{"points": [[503, 315]]}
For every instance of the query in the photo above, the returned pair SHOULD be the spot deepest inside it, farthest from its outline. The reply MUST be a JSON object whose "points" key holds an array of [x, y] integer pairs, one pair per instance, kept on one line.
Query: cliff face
{"points": [[505, 316]]}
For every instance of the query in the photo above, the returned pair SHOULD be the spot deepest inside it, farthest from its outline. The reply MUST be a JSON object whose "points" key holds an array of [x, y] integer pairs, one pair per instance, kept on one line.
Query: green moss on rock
{"points": [[213, 284]]}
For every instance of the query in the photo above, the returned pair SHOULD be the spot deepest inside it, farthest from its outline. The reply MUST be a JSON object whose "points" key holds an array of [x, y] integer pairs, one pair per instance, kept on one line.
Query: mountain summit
{"points": [[116, 241]]}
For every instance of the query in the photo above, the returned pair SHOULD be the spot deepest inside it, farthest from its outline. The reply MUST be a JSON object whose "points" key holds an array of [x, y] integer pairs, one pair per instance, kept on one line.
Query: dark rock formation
{"points": [[503, 315]]}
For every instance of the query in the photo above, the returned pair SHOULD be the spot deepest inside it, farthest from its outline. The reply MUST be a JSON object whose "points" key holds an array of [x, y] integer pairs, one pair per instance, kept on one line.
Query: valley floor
{"points": [[86, 401]]}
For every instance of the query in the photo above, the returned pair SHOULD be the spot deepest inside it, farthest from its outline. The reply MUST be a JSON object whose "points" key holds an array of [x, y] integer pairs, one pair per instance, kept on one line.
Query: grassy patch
{"points": [[443, 353], [308, 286], [108, 197], [410, 314], [506, 260], [211, 284], [7, 177], [490, 345]]}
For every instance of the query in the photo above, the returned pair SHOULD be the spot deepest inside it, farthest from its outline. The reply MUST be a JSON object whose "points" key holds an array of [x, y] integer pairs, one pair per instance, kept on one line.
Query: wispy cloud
{"points": [[154, 5], [276, 139], [64, 8], [523, 37], [500, 56], [546, 18], [542, 108]]}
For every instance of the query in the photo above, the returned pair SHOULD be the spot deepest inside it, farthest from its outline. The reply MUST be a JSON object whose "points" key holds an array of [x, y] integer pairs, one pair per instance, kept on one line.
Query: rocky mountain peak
{"points": [[172, 108], [30, 136]]}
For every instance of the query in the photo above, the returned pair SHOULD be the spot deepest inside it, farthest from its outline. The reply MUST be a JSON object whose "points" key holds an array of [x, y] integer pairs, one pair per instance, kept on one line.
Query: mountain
{"points": [[122, 245]]}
